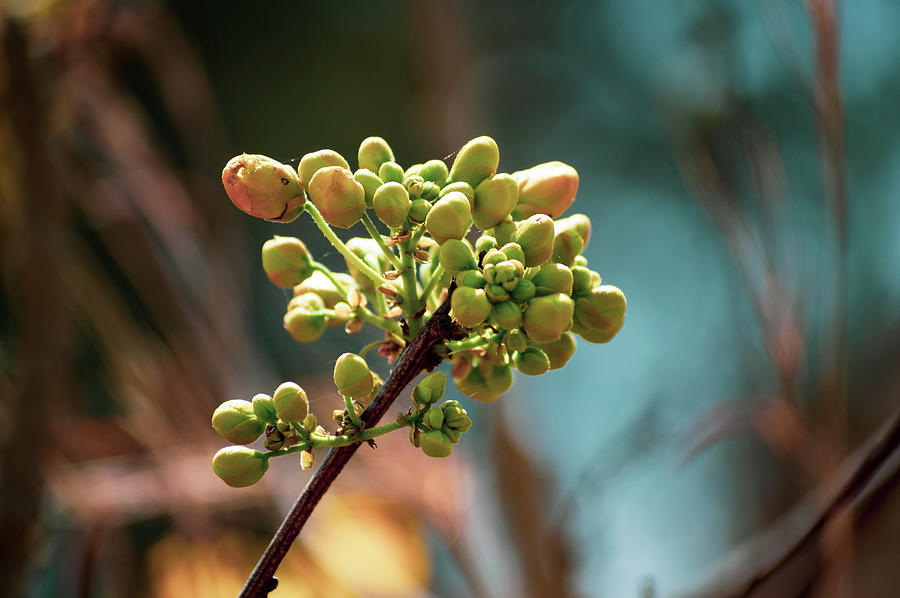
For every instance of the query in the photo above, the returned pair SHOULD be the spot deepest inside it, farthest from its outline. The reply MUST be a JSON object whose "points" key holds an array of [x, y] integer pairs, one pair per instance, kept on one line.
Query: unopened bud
{"points": [[414, 185], [435, 443], [307, 459], [305, 319], [435, 171], [392, 204], [546, 318], [523, 291], [352, 376], [449, 218], [418, 210], [516, 340], [263, 187], [239, 466], [469, 306], [507, 315], [314, 161], [531, 362], [456, 256], [553, 278], [264, 408], [236, 421], [535, 237], [486, 387], [495, 198], [287, 261], [434, 418], [559, 351], [475, 161], [291, 403], [505, 232], [391, 172], [547, 188], [338, 196], [373, 152], [470, 278], [370, 182], [460, 187], [601, 309]]}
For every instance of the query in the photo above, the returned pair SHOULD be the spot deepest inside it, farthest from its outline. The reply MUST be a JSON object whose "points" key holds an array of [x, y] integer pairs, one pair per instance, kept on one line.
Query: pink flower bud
{"points": [[263, 187]]}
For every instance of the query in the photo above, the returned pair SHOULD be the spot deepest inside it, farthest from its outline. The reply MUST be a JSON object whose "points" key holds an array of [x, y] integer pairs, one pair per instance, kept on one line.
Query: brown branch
{"points": [[418, 356]]}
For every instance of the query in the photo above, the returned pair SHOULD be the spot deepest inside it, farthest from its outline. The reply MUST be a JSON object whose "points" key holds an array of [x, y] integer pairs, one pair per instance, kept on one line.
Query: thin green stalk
{"points": [[361, 312], [411, 300], [432, 283], [351, 257], [351, 411], [370, 226], [472, 342]]}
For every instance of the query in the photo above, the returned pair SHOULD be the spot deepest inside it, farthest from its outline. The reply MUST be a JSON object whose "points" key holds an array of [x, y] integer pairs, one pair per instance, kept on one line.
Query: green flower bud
{"points": [[391, 204], [435, 443], [391, 172], [455, 416], [507, 315], [264, 408], [436, 383], [291, 403], [582, 281], [496, 293], [601, 309], [414, 185], [435, 418], [338, 196], [263, 187], [579, 223], [476, 161], [469, 306], [435, 171], [505, 232], [488, 387], [310, 422], [451, 434], [535, 237], [370, 182], [307, 459], [460, 187], [412, 170], [470, 278], [369, 252], [430, 191], [236, 421], [484, 243], [602, 336], [352, 376], [495, 198], [516, 340], [418, 210], [513, 251], [493, 257], [313, 161], [239, 466], [566, 245], [547, 188], [456, 256], [531, 362], [373, 152], [523, 291], [581, 260], [559, 351], [553, 278], [414, 434], [304, 318], [322, 286], [548, 317], [286, 261], [450, 218]]}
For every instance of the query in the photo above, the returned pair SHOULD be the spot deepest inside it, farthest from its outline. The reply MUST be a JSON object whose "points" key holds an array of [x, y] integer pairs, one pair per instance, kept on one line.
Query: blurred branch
{"points": [[418, 356]]}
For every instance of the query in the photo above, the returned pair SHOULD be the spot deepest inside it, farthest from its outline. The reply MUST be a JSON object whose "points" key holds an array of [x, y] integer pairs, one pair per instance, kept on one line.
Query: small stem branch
{"points": [[351, 411], [370, 226], [351, 257], [432, 282], [418, 356], [411, 300]]}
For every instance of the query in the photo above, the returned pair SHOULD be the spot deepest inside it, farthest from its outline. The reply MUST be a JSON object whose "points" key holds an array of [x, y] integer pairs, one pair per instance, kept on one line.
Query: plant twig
{"points": [[418, 356]]}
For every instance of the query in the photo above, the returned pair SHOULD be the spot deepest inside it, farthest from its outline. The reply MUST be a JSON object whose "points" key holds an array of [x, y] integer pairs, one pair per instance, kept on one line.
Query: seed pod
{"points": [[370, 182], [352, 376], [450, 218], [287, 261], [391, 204], [239, 466], [495, 198], [338, 196], [535, 237], [531, 362], [553, 278], [559, 351], [263, 187], [236, 421], [456, 256], [486, 387], [264, 408], [601, 309], [305, 319], [461, 187], [391, 172], [291, 403], [475, 161], [313, 161], [547, 188], [418, 210], [435, 443], [373, 152], [470, 307], [546, 318], [507, 315]]}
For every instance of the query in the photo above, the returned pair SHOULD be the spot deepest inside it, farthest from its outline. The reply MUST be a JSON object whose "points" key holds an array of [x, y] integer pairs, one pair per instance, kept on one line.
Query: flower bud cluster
{"points": [[438, 427]]}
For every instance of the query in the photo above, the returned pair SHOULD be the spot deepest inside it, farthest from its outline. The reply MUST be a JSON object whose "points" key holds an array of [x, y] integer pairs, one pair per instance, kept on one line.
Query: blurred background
{"points": [[738, 159]]}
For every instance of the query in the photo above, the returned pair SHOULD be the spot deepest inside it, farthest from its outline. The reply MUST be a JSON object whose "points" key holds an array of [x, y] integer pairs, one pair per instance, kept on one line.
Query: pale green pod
{"points": [[239, 466], [392, 204], [373, 152], [313, 161], [475, 161]]}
